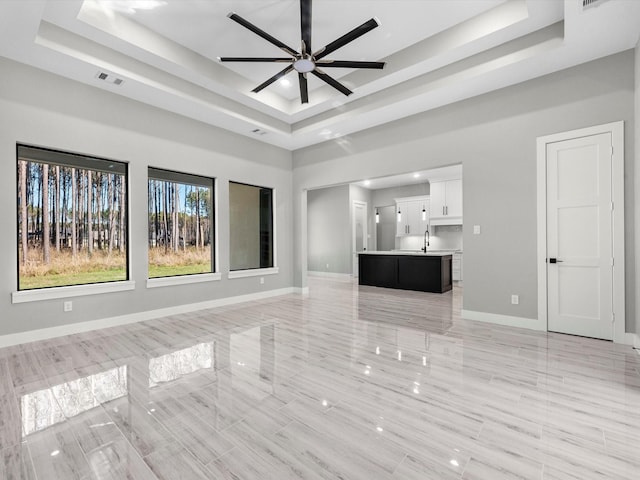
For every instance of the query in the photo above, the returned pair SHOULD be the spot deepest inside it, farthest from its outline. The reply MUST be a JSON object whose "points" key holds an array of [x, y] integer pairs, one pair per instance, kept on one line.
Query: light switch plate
{"points": [[476, 229]]}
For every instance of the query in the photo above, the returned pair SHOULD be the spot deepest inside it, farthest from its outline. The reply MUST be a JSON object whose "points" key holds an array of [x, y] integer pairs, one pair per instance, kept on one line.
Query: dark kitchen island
{"points": [[425, 272]]}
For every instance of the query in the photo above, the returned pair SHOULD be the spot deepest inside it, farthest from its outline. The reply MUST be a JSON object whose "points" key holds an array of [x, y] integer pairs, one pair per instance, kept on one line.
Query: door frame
{"points": [[365, 233], [616, 129]]}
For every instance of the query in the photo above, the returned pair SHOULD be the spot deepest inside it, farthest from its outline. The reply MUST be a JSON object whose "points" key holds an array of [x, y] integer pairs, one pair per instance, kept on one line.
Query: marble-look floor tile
{"points": [[413, 468], [108, 452], [174, 462], [347, 382], [138, 426], [16, 464], [10, 421], [200, 438], [57, 455], [498, 465]]}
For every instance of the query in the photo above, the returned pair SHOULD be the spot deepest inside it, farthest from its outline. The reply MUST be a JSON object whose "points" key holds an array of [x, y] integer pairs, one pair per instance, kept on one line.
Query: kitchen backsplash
{"points": [[443, 237]]}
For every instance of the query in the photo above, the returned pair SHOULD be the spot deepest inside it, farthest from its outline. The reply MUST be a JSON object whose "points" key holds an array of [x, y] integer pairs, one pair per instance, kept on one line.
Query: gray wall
{"points": [[494, 135], [386, 229], [361, 194], [329, 227], [636, 170], [329, 231], [43, 109]]}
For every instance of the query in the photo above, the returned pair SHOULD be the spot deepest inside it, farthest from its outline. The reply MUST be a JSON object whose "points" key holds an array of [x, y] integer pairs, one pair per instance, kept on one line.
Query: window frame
{"points": [[197, 180], [57, 157], [260, 271]]}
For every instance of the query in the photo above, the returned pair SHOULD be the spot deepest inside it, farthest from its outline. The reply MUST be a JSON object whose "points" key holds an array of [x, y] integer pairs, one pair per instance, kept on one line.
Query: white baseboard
{"points": [[506, 320], [628, 339], [336, 276], [80, 327]]}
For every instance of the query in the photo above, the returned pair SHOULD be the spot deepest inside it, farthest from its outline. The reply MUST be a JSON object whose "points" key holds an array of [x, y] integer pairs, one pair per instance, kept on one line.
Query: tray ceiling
{"points": [[437, 51]]}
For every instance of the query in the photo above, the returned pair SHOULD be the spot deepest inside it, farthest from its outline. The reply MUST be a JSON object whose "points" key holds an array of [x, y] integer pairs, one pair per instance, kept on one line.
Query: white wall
{"points": [[494, 136], [42, 109]]}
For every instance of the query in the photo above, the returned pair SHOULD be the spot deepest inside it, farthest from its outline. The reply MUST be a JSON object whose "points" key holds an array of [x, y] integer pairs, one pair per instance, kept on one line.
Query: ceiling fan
{"points": [[306, 61]]}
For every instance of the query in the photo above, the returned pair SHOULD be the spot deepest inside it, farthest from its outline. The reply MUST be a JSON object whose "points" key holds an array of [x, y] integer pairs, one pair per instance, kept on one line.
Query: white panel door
{"points": [[359, 232], [579, 237]]}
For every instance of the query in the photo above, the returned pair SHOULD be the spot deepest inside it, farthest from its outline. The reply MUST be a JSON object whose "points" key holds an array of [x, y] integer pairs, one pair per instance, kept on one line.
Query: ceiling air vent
{"points": [[109, 78], [591, 3], [258, 131]]}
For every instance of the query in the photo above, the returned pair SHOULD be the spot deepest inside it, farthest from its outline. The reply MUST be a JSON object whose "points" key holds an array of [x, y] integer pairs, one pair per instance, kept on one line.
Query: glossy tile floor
{"points": [[347, 383]]}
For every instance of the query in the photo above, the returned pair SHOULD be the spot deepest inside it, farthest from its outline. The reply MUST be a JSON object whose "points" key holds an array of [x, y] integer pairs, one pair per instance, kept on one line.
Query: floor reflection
{"points": [[175, 365], [44, 408]]}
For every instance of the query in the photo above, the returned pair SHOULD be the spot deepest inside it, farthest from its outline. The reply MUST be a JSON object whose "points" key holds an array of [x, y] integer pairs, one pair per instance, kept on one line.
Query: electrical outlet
{"points": [[67, 306], [261, 280], [515, 299]]}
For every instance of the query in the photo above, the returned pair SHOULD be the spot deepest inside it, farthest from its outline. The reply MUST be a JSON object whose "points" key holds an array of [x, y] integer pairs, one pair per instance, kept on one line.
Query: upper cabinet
{"points": [[412, 215], [446, 202]]}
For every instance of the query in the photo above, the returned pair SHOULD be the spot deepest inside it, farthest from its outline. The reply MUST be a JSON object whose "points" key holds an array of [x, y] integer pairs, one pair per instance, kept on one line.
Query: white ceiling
{"points": [[436, 52]]}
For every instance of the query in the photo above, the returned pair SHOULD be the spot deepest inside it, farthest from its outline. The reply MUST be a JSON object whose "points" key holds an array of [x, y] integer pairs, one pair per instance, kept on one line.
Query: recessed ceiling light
{"points": [[285, 82], [416, 175], [367, 183]]}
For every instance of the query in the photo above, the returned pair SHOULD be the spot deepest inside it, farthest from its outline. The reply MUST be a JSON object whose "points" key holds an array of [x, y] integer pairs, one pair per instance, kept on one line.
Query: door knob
{"points": [[554, 260]]}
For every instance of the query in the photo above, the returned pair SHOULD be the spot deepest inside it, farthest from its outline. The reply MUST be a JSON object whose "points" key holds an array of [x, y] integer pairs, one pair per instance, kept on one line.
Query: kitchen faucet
{"points": [[426, 240]]}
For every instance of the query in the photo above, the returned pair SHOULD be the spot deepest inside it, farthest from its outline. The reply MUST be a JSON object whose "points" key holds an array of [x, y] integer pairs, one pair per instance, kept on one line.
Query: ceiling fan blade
{"points": [[305, 25], [250, 26], [304, 91], [350, 64], [255, 59], [346, 38], [277, 76], [331, 81]]}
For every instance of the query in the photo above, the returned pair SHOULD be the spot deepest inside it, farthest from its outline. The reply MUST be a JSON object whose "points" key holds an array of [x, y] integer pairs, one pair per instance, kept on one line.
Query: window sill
{"points": [[182, 280], [254, 272], [53, 293]]}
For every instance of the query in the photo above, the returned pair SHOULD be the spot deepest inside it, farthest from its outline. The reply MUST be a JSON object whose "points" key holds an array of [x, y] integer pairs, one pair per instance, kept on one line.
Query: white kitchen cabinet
{"points": [[411, 221], [446, 202]]}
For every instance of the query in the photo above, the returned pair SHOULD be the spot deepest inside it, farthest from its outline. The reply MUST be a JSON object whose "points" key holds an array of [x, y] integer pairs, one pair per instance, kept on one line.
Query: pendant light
{"points": [[424, 213], [399, 215], [377, 216]]}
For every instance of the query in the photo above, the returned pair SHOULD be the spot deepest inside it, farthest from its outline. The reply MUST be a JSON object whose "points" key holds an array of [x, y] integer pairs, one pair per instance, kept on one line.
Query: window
{"points": [[72, 219], [180, 224], [251, 227]]}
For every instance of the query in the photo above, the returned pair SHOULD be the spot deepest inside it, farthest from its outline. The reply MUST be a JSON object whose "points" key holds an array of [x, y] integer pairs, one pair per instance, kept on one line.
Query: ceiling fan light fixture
{"points": [[304, 65]]}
